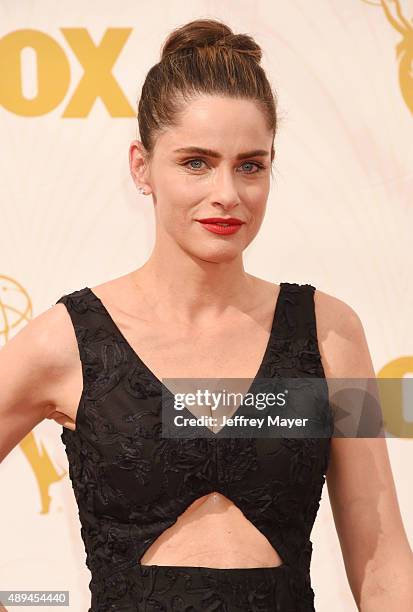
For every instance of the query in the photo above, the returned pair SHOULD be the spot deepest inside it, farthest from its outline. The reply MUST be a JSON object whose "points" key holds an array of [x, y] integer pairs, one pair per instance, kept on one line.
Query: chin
{"points": [[218, 255]]}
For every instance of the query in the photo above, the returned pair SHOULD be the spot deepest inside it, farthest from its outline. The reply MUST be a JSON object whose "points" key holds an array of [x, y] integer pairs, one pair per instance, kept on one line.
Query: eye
{"points": [[190, 161], [256, 164]]}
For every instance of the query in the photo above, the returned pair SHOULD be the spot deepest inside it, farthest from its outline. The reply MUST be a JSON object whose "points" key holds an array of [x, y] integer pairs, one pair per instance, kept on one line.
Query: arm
{"points": [[32, 364], [376, 552]]}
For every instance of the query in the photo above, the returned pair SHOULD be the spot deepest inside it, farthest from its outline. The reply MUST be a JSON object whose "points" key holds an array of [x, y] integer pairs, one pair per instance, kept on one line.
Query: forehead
{"points": [[219, 124]]}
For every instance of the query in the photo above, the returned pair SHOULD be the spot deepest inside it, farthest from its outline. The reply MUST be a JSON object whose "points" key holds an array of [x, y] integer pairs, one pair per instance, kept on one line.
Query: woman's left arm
{"points": [[377, 556]]}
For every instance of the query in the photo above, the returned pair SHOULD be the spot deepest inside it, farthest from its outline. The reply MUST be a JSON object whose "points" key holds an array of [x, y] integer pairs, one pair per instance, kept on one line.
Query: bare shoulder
{"points": [[48, 342], [34, 364], [59, 338], [48, 338], [341, 338], [333, 312]]}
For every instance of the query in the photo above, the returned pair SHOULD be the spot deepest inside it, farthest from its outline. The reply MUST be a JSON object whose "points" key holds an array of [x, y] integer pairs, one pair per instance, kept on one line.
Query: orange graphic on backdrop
{"points": [[15, 312], [404, 49]]}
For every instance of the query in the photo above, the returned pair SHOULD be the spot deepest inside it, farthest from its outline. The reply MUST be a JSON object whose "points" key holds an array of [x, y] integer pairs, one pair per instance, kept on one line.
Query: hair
{"points": [[202, 57]]}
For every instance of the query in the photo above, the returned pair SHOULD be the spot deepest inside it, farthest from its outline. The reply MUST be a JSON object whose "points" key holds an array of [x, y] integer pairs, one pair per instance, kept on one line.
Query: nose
{"points": [[225, 193]]}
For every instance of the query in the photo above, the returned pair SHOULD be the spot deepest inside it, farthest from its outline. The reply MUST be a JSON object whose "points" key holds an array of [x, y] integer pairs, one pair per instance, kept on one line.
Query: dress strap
{"points": [[77, 306], [295, 347], [102, 355]]}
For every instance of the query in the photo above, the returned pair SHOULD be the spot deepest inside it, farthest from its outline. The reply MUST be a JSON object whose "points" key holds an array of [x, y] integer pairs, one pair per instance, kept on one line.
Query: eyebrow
{"points": [[211, 153]]}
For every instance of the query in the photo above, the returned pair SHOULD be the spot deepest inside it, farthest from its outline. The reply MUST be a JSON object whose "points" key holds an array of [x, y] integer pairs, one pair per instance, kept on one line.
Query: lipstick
{"points": [[221, 225]]}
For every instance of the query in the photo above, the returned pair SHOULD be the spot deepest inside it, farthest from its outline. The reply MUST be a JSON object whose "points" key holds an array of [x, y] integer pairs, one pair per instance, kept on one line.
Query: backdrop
{"points": [[339, 213]]}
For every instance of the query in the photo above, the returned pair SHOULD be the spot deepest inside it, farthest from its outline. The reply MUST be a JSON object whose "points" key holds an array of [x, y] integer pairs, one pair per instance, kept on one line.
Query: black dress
{"points": [[131, 483]]}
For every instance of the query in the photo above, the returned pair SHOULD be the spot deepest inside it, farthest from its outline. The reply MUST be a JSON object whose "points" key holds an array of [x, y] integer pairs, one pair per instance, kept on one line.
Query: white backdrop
{"points": [[339, 212]]}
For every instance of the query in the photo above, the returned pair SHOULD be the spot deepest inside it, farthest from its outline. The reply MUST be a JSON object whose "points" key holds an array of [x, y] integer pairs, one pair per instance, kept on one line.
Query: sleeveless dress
{"points": [[131, 484]]}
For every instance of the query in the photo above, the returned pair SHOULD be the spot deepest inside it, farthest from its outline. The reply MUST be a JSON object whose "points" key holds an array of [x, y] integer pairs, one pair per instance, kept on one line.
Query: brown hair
{"points": [[202, 57]]}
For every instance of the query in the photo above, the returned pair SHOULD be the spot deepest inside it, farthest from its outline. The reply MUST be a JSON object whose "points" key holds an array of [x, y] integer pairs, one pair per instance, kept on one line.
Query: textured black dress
{"points": [[131, 483]]}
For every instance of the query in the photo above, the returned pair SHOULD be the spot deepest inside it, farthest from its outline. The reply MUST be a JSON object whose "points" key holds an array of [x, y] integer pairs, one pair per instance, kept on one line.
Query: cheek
{"points": [[174, 216], [180, 207], [257, 210]]}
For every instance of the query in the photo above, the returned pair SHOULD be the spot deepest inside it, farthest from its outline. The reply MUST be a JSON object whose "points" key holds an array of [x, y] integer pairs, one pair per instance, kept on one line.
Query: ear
{"points": [[139, 167]]}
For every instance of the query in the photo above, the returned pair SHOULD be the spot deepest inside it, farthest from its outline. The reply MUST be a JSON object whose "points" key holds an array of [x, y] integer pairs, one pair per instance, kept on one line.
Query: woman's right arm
{"points": [[32, 366]]}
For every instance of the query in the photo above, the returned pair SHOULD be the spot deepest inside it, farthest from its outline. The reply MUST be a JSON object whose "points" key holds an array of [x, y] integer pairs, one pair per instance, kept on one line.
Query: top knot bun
{"points": [[209, 33]]}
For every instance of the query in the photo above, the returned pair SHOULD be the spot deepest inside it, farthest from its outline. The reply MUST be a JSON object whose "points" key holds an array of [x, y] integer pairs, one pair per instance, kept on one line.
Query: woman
{"points": [[210, 523]]}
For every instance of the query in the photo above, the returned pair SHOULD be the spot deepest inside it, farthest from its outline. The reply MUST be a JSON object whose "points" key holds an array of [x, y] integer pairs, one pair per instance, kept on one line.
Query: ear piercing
{"points": [[142, 191]]}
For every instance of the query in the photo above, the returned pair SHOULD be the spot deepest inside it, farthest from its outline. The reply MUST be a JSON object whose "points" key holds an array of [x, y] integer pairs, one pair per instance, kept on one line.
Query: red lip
{"points": [[229, 220]]}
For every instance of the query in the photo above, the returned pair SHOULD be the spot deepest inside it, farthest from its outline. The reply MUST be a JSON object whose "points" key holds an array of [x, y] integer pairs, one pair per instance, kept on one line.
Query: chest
{"points": [[232, 350]]}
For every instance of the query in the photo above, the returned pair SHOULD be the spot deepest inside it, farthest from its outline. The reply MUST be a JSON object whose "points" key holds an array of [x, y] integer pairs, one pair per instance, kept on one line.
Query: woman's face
{"points": [[226, 179]]}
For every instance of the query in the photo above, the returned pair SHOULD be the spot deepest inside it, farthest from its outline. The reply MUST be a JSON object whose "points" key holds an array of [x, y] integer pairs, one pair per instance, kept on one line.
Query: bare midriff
{"points": [[212, 532]]}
